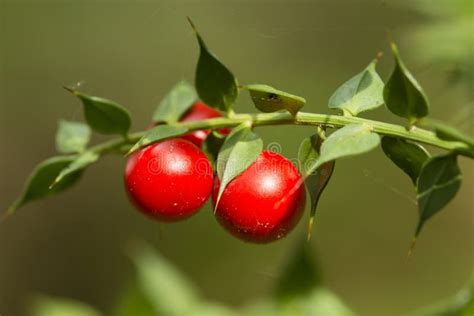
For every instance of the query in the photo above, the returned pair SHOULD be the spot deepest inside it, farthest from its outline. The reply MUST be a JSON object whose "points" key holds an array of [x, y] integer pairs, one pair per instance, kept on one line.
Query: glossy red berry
{"points": [[261, 204], [170, 180], [200, 111]]}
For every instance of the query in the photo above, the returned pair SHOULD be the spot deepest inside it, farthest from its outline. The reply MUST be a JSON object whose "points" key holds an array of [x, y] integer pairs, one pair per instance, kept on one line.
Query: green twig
{"points": [[302, 118]]}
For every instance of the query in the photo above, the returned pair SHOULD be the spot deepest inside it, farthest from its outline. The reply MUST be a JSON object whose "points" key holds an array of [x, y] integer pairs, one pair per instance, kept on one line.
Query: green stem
{"points": [[302, 118]]}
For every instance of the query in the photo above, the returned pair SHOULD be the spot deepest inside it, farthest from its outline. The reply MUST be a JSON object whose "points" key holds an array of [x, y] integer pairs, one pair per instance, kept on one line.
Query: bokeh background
{"points": [[134, 51]]}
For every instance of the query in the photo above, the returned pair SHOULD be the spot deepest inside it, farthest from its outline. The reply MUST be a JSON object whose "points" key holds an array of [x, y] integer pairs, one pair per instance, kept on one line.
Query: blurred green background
{"points": [[134, 51]]}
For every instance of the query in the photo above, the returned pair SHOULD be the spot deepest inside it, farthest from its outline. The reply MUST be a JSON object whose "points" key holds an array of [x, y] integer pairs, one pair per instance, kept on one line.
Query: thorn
{"points": [[70, 90], [310, 227], [192, 24], [412, 248], [217, 204], [5, 215], [390, 38], [131, 151]]}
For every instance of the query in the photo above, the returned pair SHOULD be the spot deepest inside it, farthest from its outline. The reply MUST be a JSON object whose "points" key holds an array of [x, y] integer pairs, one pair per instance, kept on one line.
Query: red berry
{"points": [[170, 180], [261, 204], [200, 111]]}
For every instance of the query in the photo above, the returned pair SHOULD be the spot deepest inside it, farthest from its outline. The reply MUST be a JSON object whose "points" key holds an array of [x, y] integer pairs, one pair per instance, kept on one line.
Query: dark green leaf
{"points": [[133, 302], [300, 276], [468, 310], [299, 290], [403, 95], [158, 133], [168, 291], [240, 149], [363, 92], [407, 156], [439, 181], [72, 137], [79, 164], [316, 181], [39, 182], [175, 103], [353, 139], [215, 84], [49, 306], [212, 145], [269, 99], [104, 116]]}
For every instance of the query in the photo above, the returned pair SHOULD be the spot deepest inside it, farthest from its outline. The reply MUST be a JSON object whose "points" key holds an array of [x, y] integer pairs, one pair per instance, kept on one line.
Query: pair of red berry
{"points": [[171, 180]]}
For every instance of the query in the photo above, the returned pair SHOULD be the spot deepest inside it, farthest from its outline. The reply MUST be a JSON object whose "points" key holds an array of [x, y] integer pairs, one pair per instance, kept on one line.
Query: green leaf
{"points": [[79, 164], [158, 133], [240, 149], [49, 306], [269, 99], [72, 137], [403, 95], [211, 309], [40, 180], [168, 291], [363, 92], [460, 304], [409, 157], [175, 103], [300, 276], [133, 302], [350, 140], [316, 181], [212, 145], [104, 116], [439, 181], [320, 302], [215, 84], [299, 290]]}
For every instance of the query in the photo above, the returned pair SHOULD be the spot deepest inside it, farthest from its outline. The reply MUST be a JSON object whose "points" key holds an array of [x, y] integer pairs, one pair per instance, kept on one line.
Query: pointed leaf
{"points": [[79, 164], [403, 95], [166, 288], [215, 84], [39, 182], [316, 181], [363, 92], [407, 156], [353, 139], [300, 291], [156, 134], [240, 149], [52, 306], [439, 181], [175, 103], [72, 137], [133, 302], [300, 276], [104, 116], [269, 99]]}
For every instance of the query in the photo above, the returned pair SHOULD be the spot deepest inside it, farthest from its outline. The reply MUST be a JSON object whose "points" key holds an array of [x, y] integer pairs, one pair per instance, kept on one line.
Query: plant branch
{"points": [[302, 118]]}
